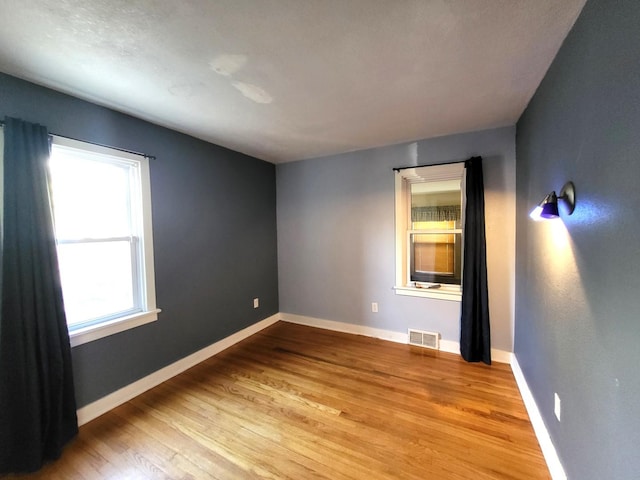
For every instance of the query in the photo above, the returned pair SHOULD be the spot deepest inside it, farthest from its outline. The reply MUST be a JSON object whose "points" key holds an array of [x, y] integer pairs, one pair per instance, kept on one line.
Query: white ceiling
{"points": [[285, 80]]}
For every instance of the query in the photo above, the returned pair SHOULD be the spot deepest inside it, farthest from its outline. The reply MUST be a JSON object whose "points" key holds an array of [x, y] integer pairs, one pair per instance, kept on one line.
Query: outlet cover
{"points": [[256, 302], [374, 307]]}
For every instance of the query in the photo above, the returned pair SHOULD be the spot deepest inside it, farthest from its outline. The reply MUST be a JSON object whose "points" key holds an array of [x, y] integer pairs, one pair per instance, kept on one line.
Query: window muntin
{"points": [[101, 204]]}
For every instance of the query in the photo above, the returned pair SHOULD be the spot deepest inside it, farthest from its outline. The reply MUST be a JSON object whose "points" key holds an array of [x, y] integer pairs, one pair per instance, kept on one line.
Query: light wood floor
{"points": [[294, 402]]}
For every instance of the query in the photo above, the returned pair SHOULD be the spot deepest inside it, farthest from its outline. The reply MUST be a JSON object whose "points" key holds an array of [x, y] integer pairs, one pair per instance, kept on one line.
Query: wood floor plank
{"points": [[295, 402]]}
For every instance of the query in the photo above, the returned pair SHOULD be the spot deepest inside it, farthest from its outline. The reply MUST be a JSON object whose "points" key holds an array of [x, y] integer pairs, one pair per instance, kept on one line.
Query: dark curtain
{"points": [[475, 335], [37, 402]]}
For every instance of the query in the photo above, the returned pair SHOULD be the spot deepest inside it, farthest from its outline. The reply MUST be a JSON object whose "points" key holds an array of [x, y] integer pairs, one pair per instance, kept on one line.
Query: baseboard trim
{"points": [[448, 346], [344, 327], [544, 439], [111, 401], [117, 398]]}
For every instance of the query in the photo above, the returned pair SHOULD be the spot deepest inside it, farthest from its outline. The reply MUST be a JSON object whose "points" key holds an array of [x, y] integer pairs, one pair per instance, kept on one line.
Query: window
{"points": [[102, 216], [429, 231]]}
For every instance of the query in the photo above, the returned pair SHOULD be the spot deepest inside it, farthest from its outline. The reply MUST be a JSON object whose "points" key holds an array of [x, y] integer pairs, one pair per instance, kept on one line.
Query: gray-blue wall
{"points": [[214, 232], [577, 294], [336, 236]]}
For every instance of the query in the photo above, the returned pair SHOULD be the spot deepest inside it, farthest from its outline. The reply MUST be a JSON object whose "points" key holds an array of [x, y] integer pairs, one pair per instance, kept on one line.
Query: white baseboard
{"points": [[108, 402], [544, 439], [103, 405], [448, 346], [501, 356], [344, 327]]}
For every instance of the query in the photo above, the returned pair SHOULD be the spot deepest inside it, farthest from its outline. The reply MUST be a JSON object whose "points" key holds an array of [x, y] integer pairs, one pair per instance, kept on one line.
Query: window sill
{"points": [[95, 332], [451, 293]]}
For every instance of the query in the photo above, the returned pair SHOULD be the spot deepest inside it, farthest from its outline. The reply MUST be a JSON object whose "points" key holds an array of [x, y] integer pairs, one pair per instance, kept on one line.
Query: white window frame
{"points": [[403, 180], [148, 312]]}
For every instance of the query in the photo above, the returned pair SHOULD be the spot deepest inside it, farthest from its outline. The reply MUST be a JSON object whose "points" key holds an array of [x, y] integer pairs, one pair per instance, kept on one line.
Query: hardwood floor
{"points": [[295, 402]]}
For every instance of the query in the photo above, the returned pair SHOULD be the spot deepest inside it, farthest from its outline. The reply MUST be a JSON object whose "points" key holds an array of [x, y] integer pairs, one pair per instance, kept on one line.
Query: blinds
{"points": [[445, 213]]}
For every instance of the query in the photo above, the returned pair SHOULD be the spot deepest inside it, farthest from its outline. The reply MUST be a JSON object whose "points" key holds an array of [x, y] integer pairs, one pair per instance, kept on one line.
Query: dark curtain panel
{"points": [[37, 402], [475, 335]]}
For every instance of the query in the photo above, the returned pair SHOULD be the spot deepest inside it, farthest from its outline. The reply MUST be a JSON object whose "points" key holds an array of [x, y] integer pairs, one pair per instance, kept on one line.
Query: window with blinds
{"points": [[429, 226], [435, 232]]}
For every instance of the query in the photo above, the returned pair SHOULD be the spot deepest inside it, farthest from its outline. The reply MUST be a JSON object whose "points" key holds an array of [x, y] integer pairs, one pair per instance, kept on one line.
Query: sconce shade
{"points": [[548, 208]]}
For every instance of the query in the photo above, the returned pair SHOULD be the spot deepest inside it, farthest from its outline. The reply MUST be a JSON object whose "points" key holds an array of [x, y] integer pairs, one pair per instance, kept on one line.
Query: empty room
{"points": [[337, 239]]}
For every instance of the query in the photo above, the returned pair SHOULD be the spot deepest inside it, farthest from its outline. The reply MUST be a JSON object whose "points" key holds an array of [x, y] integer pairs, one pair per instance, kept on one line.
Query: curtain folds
{"points": [[37, 400], [475, 335]]}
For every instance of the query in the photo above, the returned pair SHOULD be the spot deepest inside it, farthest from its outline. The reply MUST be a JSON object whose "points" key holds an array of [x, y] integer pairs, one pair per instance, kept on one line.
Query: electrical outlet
{"points": [[557, 407], [374, 307], [256, 302]]}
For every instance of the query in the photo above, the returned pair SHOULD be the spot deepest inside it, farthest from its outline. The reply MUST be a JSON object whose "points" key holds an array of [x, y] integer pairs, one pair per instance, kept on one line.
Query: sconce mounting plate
{"points": [[568, 194]]}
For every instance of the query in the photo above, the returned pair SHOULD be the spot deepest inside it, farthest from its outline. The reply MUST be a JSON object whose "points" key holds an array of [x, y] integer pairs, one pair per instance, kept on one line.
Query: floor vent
{"points": [[424, 339]]}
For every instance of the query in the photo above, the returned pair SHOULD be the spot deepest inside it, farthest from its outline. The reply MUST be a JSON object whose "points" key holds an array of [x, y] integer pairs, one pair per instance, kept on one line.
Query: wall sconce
{"points": [[548, 208]]}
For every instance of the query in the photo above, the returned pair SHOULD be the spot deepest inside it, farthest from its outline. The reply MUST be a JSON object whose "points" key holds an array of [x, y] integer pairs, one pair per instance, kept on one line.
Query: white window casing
{"points": [[140, 240], [434, 178]]}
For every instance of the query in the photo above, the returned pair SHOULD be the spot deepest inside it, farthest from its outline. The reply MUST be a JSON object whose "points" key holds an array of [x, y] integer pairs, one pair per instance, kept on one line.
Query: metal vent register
{"points": [[424, 339]]}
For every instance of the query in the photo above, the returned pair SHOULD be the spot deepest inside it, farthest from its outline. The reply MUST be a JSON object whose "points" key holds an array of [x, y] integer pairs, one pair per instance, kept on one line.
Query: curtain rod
{"points": [[124, 150], [397, 169]]}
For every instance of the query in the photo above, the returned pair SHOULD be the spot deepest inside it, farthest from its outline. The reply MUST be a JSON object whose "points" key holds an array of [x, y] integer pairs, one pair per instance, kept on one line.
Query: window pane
{"points": [[96, 279], [91, 198], [436, 257], [440, 206], [434, 253]]}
